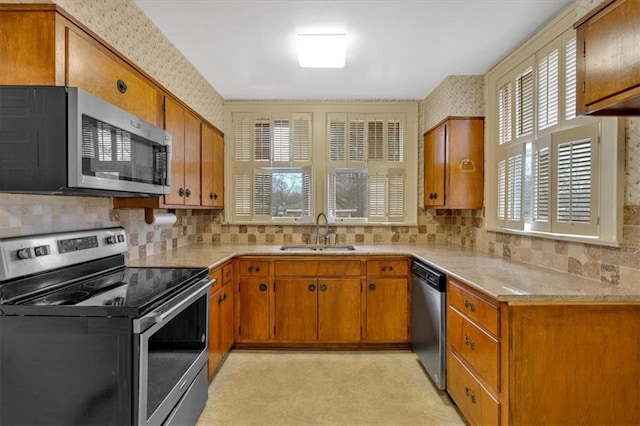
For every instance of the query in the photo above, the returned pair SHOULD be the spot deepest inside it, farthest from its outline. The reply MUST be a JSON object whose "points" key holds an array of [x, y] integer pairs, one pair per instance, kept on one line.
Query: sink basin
{"points": [[318, 247]]}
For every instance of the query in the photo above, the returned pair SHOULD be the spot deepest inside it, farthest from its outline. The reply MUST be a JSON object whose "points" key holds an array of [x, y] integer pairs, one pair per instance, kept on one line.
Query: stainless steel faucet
{"points": [[326, 230]]}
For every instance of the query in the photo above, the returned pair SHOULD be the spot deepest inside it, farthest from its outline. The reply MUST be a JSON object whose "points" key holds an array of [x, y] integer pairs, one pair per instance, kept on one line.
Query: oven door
{"points": [[171, 351]]}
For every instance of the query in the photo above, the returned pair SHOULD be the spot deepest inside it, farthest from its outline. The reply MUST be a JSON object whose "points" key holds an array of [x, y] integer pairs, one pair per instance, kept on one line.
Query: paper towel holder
{"points": [[149, 216]]}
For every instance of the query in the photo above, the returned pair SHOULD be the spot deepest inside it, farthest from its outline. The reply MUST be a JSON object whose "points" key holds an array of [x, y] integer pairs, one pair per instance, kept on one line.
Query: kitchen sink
{"points": [[318, 247]]}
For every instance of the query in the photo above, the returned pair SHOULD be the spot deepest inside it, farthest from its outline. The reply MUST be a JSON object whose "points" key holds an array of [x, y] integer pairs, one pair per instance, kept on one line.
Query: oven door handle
{"points": [[154, 317]]}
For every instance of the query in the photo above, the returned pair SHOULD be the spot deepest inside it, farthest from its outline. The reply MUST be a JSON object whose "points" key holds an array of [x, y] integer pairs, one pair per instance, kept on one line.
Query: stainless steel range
{"points": [[86, 340]]}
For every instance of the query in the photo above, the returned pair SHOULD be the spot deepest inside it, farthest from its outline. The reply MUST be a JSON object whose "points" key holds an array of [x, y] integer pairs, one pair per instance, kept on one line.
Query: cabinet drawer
{"points": [[479, 310], [391, 267], [253, 268], [227, 273], [317, 268], [216, 274], [476, 346], [476, 404]]}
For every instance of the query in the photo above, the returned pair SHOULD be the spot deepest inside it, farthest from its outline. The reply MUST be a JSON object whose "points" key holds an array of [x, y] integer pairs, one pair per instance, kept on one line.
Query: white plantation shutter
{"points": [[541, 185], [262, 137], [509, 194], [395, 138], [570, 79], [548, 89], [263, 189], [301, 144], [575, 180], [281, 141], [502, 191], [514, 188], [504, 113], [242, 192], [396, 194], [331, 193], [337, 137], [524, 103], [377, 190], [307, 191], [356, 140], [375, 140]]}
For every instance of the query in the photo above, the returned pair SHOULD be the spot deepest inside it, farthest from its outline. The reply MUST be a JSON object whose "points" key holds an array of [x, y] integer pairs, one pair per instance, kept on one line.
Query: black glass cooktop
{"points": [[124, 292]]}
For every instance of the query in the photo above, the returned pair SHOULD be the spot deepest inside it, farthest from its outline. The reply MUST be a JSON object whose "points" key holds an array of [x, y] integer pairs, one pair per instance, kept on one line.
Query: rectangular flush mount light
{"points": [[322, 50]]}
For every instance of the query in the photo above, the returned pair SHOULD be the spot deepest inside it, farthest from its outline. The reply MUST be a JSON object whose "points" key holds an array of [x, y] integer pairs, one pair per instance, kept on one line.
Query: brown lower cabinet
{"points": [[310, 301], [551, 363], [221, 311]]}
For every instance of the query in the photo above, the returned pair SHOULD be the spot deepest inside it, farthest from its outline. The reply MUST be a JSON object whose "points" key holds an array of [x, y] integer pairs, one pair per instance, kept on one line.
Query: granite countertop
{"points": [[495, 276]]}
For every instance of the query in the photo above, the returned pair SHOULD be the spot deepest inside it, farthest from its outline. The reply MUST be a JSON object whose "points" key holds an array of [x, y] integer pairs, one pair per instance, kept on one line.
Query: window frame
{"points": [[319, 150], [610, 149]]}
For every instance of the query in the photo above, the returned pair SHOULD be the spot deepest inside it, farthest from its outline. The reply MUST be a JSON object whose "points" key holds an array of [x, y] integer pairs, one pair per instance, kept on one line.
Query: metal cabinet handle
{"points": [[387, 269], [181, 192], [470, 395], [323, 287], [256, 269], [468, 342], [213, 196], [372, 286], [435, 195], [122, 86], [469, 305], [312, 287], [187, 192], [263, 287]]}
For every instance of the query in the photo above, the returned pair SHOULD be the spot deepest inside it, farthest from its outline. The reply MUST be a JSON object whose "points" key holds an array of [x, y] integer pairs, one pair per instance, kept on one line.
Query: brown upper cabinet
{"points": [[41, 46], [454, 164], [212, 172], [608, 62]]}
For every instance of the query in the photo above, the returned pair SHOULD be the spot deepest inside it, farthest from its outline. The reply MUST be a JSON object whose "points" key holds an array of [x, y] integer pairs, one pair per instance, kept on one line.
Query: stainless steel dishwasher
{"points": [[428, 321]]}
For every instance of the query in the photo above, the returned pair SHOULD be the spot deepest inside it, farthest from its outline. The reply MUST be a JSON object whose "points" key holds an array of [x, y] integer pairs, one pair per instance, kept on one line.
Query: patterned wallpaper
{"points": [[461, 95]]}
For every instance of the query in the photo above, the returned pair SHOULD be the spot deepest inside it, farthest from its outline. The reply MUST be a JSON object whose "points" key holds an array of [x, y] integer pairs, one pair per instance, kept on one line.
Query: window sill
{"points": [[560, 237]]}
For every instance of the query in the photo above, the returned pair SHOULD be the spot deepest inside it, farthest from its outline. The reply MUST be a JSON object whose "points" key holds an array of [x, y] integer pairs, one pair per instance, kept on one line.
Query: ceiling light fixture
{"points": [[322, 50]]}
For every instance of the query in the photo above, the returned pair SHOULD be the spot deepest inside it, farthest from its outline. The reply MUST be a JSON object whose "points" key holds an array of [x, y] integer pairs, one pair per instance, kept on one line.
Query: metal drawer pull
{"points": [[470, 343], [263, 287], [323, 287], [372, 286], [469, 305], [251, 269], [470, 395], [312, 287], [387, 268]]}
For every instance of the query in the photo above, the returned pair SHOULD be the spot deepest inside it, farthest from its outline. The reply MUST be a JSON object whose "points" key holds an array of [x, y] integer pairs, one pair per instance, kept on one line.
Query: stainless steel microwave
{"points": [[63, 140]]}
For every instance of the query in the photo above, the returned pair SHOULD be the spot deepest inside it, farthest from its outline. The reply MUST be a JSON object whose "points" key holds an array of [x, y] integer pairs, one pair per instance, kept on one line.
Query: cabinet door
{"points": [[465, 155], [215, 351], [191, 159], [174, 124], [212, 167], [94, 69], [296, 309], [608, 71], [434, 166], [253, 309], [387, 310], [339, 310], [226, 319]]}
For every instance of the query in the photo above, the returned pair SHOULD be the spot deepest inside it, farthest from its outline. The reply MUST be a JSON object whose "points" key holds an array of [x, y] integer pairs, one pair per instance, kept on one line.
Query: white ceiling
{"points": [[396, 49]]}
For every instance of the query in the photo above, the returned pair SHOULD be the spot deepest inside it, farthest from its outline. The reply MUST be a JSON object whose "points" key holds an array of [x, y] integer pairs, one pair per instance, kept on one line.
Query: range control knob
{"points": [[41, 250], [25, 253], [112, 239], [120, 238]]}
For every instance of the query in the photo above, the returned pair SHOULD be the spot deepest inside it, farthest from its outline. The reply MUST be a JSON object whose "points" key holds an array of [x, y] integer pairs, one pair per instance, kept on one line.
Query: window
{"points": [[356, 166], [368, 184], [272, 167], [550, 167]]}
